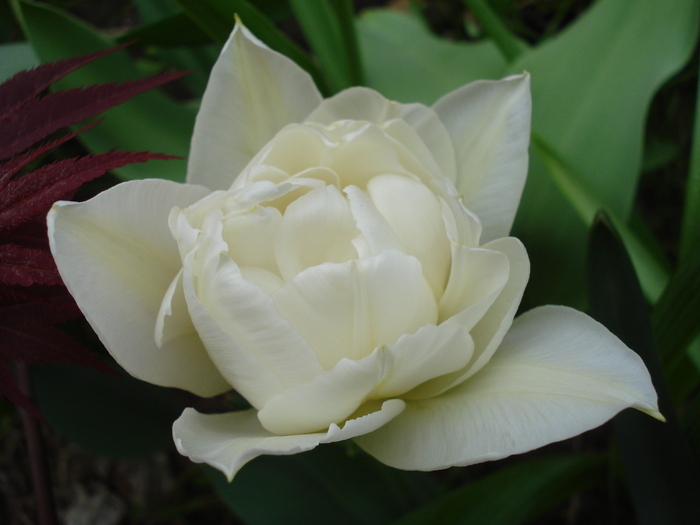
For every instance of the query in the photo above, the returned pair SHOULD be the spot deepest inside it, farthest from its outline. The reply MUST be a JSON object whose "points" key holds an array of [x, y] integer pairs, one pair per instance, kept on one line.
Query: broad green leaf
{"points": [[114, 416], [690, 229], [651, 267], [150, 121], [405, 62], [511, 495], [325, 485], [661, 475], [592, 85], [14, 58]]}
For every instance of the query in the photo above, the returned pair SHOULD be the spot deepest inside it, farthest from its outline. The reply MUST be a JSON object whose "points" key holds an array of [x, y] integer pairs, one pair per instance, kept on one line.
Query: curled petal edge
{"points": [[228, 441]]}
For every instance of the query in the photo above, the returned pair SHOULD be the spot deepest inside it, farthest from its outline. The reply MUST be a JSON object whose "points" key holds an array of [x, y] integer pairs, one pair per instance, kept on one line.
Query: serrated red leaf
{"points": [[36, 191], [26, 85], [30, 123], [30, 234], [26, 266], [51, 304], [13, 166]]}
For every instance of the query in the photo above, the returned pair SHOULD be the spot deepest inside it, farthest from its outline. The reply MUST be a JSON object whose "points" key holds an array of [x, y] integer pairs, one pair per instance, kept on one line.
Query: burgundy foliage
{"points": [[32, 296]]}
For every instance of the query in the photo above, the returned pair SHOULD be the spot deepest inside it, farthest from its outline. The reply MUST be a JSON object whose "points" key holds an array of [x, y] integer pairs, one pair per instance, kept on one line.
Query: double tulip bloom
{"points": [[344, 265]]}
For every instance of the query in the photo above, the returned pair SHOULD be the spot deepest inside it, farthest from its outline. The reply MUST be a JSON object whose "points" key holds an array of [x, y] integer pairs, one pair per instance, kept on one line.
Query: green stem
{"points": [[506, 42], [346, 21]]}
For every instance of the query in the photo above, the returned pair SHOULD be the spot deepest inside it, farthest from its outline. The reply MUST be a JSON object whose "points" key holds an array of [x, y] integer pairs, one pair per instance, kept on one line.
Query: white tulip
{"points": [[344, 265]]}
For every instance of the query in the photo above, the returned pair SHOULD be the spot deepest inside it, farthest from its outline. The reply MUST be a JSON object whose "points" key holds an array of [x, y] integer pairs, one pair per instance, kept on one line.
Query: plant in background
{"points": [[32, 296], [321, 262]]}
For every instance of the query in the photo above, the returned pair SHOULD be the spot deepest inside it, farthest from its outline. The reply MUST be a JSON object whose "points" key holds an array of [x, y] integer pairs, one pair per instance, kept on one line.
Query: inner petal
{"points": [[415, 215], [316, 228], [349, 309]]}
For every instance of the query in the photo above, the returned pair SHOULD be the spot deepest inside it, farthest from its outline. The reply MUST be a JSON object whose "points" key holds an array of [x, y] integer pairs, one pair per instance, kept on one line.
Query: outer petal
{"points": [[360, 103], [253, 92], [489, 123], [558, 373], [229, 441], [118, 259]]}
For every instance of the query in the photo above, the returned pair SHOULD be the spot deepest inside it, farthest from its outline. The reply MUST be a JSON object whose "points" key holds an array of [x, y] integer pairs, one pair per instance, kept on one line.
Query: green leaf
{"points": [[322, 27], [663, 479], [14, 58], [114, 416], [690, 229], [592, 85], [325, 485], [174, 30], [675, 320], [148, 122], [405, 62], [511, 495], [152, 10], [348, 35], [652, 269]]}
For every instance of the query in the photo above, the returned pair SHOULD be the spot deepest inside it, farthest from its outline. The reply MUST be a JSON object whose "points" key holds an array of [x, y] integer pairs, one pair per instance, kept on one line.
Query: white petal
{"points": [[476, 274], [229, 441], [349, 309], [330, 398], [558, 373], [431, 352], [253, 92], [254, 348], [372, 224], [415, 215], [316, 228], [173, 319], [250, 236], [490, 317], [118, 259], [360, 103], [489, 123]]}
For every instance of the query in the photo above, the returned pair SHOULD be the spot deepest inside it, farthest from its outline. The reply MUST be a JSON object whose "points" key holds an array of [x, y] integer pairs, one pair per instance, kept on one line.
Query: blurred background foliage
{"points": [[616, 127]]}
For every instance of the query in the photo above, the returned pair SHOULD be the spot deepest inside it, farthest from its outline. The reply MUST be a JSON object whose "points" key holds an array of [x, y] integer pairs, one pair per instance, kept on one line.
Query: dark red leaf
{"points": [[26, 85], [11, 167], [10, 390], [28, 124], [51, 304], [25, 266], [35, 192], [30, 234]]}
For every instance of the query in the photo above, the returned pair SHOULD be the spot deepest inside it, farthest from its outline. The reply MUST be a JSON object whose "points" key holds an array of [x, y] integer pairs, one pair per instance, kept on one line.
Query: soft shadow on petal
{"points": [[316, 228], [349, 309], [415, 216], [489, 122], [360, 103], [258, 351], [229, 441], [557, 373], [118, 259], [431, 352], [253, 92]]}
